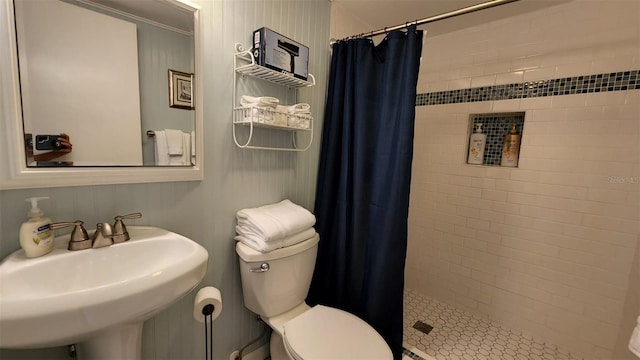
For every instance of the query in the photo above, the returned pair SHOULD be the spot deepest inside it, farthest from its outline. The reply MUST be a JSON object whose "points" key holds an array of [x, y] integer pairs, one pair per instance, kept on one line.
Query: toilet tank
{"points": [[286, 282]]}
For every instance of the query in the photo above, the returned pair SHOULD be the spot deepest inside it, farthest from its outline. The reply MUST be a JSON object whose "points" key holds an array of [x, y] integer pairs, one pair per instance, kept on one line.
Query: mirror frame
{"points": [[14, 173]]}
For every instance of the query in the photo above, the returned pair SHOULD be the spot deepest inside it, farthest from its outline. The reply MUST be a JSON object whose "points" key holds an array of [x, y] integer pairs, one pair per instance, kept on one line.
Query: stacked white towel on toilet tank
{"points": [[274, 226]]}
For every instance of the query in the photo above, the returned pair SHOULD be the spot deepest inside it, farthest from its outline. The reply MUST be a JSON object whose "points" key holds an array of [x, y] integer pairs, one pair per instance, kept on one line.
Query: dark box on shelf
{"points": [[279, 53]]}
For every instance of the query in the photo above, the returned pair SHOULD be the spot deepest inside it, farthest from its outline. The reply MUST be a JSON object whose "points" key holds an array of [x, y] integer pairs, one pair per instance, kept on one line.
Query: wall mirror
{"points": [[120, 79]]}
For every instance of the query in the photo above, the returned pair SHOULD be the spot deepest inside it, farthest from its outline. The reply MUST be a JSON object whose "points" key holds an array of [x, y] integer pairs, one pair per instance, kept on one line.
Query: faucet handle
{"points": [[79, 238], [120, 233]]}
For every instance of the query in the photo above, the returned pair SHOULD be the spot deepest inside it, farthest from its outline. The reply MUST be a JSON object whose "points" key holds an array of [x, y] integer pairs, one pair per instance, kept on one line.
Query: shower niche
{"points": [[494, 139]]}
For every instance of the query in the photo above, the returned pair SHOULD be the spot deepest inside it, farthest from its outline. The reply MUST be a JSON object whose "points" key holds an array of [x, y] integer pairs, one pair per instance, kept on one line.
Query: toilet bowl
{"points": [[275, 285]]}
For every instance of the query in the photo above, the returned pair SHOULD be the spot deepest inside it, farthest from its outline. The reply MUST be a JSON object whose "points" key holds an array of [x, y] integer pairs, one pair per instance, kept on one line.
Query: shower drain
{"points": [[423, 327]]}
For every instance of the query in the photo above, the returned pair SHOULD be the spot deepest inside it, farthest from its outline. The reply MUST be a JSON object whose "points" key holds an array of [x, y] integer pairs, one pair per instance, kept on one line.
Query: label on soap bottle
{"points": [[42, 236]]}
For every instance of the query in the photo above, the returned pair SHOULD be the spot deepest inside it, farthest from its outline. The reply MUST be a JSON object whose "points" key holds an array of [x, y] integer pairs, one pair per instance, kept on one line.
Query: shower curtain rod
{"points": [[450, 14]]}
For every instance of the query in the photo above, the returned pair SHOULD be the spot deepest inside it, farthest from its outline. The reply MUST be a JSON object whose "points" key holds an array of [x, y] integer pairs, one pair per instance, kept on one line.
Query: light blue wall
{"points": [[204, 211]]}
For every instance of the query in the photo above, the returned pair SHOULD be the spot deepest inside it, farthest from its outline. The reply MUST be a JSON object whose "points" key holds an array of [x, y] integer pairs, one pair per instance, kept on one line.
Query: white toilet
{"points": [[275, 285]]}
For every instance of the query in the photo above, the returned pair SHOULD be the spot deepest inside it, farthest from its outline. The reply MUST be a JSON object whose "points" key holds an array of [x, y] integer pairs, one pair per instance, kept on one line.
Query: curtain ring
{"points": [[385, 30]]}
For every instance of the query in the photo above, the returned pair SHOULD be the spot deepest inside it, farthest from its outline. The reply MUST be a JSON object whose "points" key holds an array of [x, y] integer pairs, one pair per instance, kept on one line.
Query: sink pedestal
{"points": [[121, 342]]}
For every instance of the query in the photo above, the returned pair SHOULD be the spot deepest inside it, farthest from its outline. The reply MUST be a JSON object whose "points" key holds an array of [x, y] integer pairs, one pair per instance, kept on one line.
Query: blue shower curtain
{"points": [[362, 194]]}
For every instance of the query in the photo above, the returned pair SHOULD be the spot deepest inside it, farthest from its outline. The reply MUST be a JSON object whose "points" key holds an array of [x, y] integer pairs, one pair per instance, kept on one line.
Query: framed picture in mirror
{"points": [[180, 90]]}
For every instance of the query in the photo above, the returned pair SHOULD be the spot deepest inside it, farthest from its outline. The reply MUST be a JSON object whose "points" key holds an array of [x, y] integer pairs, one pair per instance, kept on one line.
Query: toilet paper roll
{"points": [[207, 296]]}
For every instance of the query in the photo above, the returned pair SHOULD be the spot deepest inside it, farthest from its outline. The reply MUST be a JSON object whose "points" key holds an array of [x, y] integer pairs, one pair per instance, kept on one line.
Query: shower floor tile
{"points": [[458, 335]]}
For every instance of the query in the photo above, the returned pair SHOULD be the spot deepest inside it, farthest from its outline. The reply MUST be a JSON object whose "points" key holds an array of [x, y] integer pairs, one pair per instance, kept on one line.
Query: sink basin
{"points": [[94, 297]]}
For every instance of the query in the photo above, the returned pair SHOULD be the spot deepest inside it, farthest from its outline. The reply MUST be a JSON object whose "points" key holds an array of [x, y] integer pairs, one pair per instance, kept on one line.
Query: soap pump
{"points": [[36, 235], [511, 148], [477, 142]]}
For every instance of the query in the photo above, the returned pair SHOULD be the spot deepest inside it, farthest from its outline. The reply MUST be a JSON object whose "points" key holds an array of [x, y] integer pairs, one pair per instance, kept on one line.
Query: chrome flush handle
{"points": [[264, 267]]}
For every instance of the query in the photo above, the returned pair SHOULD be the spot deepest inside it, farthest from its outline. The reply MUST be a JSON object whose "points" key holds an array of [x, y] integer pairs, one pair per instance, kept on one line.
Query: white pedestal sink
{"points": [[97, 299]]}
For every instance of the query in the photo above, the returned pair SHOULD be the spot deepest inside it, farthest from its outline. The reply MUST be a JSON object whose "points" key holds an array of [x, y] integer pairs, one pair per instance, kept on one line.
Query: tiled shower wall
{"points": [[546, 247]]}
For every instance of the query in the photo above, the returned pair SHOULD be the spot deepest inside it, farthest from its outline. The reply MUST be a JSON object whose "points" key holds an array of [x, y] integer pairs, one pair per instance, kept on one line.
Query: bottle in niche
{"points": [[511, 148], [477, 142]]}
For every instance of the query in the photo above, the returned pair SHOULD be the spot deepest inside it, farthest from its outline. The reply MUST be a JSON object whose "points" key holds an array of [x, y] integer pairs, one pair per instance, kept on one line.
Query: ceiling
{"points": [[164, 12], [387, 13]]}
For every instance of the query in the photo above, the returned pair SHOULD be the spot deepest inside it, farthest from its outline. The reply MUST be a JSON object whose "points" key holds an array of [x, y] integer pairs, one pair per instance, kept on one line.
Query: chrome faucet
{"points": [[103, 236], [120, 233], [79, 239]]}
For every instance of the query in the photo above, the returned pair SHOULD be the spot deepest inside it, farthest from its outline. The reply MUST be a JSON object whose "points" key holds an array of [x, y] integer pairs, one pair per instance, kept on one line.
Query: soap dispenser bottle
{"points": [[36, 236], [477, 143], [511, 148]]}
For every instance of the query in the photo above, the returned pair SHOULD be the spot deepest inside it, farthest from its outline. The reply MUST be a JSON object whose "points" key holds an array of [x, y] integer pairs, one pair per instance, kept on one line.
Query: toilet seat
{"points": [[327, 333]]}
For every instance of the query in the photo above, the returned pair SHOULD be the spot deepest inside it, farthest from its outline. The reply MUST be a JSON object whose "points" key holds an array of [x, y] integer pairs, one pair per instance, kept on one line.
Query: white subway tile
{"points": [[513, 77], [457, 84], [551, 214], [526, 63], [530, 246], [606, 98], [484, 80], [483, 277], [496, 195], [543, 102], [506, 105], [472, 71], [542, 73], [608, 196], [568, 101], [496, 67], [480, 107], [435, 86], [568, 68]]}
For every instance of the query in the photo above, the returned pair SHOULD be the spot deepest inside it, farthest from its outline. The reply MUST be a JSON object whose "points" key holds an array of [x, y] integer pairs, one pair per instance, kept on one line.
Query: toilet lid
{"points": [[327, 333]]}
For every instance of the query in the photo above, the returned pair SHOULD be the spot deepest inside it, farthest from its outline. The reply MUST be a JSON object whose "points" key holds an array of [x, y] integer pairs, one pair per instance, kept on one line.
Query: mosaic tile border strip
{"points": [[618, 81]]}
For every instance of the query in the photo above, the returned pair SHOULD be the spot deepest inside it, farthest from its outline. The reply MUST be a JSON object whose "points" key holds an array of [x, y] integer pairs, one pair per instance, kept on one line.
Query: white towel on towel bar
{"points": [[275, 221], [162, 153], [174, 141], [161, 150], [185, 157], [258, 244], [192, 139]]}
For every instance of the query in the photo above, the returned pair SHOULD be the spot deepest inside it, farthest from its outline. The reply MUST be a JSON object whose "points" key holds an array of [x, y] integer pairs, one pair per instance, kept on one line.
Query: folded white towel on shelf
{"points": [[261, 115], [302, 108], [258, 244], [275, 221], [259, 101], [299, 122]]}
